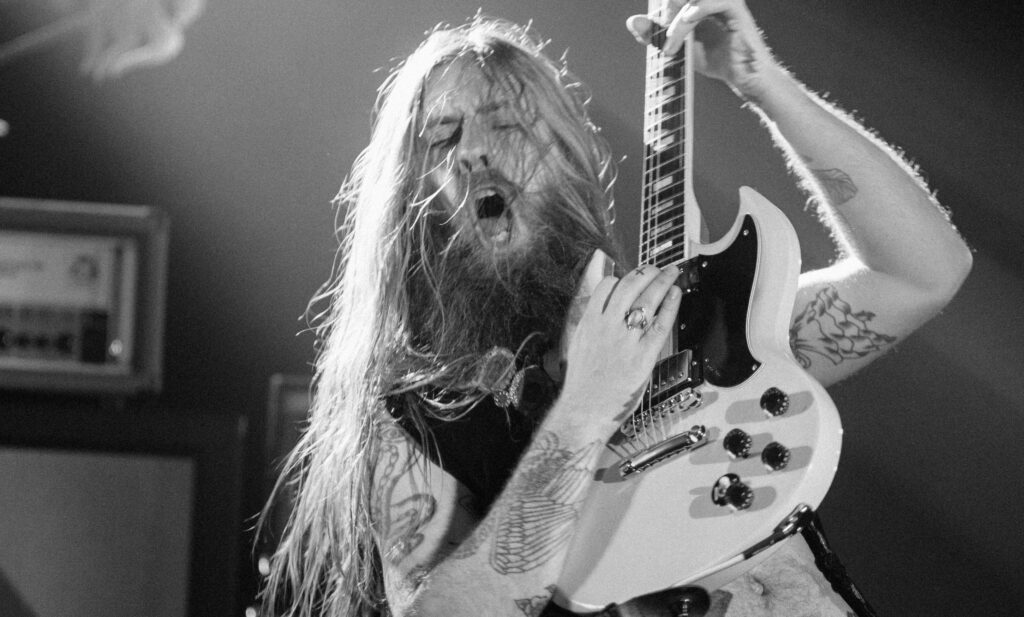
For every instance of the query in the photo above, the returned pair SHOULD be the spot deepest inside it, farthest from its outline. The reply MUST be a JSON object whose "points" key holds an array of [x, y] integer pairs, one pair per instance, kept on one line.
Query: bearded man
{"points": [[448, 455]]}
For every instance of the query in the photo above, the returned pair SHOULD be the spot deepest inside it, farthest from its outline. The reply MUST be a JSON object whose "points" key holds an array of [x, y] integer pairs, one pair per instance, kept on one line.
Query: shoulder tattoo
{"points": [[830, 328], [400, 519]]}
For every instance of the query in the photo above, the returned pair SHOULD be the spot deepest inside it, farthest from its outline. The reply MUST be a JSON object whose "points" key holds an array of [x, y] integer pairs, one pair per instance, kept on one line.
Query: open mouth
{"points": [[493, 214]]}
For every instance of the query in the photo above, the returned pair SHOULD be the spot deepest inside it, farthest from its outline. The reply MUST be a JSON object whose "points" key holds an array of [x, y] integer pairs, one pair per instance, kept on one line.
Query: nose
{"points": [[474, 147]]}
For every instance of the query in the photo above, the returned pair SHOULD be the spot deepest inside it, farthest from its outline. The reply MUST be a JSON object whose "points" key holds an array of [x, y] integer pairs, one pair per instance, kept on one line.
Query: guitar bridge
{"points": [[684, 442]]}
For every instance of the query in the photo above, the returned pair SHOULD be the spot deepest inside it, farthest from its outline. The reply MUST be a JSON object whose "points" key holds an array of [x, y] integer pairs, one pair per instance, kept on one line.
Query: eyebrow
{"points": [[486, 108], [435, 121]]}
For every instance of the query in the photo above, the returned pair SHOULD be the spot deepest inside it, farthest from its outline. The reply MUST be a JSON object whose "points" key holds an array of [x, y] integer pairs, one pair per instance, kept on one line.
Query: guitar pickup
{"points": [[673, 375]]}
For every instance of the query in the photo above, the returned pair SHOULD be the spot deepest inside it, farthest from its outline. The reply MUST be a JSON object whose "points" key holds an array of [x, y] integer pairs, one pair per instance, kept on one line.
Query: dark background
{"points": [[245, 137]]}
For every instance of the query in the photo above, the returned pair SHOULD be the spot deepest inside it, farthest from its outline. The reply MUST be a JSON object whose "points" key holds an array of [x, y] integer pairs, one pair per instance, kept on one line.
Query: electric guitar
{"points": [[733, 444]]}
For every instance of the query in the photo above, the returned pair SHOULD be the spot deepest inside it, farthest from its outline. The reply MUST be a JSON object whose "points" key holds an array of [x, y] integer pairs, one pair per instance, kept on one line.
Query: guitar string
{"points": [[663, 151], [650, 136]]}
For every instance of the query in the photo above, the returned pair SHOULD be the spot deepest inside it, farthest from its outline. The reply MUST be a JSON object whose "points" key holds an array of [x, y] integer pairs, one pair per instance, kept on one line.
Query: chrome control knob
{"points": [[737, 443], [775, 456], [774, 402], [729, 491]]}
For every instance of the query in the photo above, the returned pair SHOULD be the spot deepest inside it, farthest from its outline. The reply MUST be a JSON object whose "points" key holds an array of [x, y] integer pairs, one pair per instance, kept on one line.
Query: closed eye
{"points": [[449, 140]]}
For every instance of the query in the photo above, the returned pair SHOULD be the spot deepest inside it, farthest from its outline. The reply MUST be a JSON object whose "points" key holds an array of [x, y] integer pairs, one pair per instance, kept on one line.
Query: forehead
{"points": [[462, 87]]}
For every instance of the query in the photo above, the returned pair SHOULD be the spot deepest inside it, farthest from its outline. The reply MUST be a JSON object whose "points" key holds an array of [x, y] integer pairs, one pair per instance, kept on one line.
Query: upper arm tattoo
{"points": [[400, 519], [830, 328]]}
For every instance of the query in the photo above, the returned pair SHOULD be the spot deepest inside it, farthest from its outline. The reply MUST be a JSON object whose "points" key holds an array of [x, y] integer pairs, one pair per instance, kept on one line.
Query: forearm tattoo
{"points": [[829, 327], [401, 520], [837, 185], [538, 513]]}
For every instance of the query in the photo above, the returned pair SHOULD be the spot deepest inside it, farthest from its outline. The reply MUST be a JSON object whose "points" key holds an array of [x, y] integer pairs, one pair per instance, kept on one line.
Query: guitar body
{"points": [[667, 507]]}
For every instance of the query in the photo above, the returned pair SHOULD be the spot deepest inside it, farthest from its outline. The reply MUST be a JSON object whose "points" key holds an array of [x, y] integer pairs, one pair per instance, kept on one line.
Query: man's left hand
{"points": [[729, 45]]}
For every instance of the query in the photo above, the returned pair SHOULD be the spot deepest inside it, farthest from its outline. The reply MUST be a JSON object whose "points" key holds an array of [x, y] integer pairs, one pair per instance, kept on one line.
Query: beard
{"points": [[476, 300]]}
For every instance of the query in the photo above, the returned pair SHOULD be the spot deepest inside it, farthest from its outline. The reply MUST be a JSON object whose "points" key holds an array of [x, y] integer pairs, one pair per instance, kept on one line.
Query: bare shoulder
{"points": [[420, 513]]}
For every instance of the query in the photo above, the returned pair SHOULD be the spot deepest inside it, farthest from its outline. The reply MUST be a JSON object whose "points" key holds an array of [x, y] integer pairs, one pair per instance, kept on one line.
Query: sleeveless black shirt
{"points": [[481, 448]]}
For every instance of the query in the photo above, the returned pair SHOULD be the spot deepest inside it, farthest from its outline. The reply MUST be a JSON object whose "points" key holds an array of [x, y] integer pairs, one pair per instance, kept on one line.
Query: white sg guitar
{"points": [[733, 443]]}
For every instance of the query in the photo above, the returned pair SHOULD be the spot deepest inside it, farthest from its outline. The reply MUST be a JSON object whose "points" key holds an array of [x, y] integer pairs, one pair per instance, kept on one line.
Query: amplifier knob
{"points": [[775, 402], [737, 443], [732, 492], [775, 456]]}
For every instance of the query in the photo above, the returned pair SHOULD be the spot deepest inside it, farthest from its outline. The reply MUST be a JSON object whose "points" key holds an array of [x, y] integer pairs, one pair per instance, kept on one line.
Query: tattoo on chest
{"points": [[830, 328], [533, 607], [537, 516]]}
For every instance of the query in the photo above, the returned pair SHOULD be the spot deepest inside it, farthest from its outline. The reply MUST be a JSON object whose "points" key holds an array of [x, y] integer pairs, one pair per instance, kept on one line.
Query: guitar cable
{"points": [[833, 569]]}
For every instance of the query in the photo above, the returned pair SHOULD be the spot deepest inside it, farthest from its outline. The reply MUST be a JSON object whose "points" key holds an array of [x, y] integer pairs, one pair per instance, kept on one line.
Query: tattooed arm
{"points": [[900, 259], [442, 558]]}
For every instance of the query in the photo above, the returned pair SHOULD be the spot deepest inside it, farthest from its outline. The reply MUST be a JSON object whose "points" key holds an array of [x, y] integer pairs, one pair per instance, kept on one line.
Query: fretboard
{"points": [[666, 175]]}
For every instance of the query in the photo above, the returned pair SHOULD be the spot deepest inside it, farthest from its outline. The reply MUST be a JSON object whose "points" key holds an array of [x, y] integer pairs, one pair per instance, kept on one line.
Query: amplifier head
{"points": [[82, 289]]}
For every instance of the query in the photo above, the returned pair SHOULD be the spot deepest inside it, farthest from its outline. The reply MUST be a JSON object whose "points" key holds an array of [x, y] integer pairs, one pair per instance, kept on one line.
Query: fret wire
{"points": [[666, 225], [669, 232], [669, 192], [670, 244], [670, 256], [675, 210], [659, 92], [662, 167], [660, 158], [671, 153], [677, 234]]}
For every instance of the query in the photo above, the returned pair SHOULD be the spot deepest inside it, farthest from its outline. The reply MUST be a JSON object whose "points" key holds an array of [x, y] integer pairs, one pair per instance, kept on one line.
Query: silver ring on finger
{"points": [[636, 318]]}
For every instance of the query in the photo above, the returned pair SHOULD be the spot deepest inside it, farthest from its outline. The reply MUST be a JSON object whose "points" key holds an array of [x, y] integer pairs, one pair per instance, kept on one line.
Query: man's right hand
{"points": [[610, 360]]}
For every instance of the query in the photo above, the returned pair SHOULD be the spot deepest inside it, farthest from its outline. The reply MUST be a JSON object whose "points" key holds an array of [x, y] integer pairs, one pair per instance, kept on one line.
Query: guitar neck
{"points": [[669, 219]]}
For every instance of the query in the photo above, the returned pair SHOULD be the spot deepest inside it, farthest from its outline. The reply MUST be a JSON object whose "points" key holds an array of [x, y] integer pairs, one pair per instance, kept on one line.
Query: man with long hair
{"points": [[449, 446]]}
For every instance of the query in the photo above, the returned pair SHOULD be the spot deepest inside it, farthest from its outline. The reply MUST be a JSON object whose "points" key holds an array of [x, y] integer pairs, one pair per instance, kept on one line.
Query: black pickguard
{"points": [[712, 319]]}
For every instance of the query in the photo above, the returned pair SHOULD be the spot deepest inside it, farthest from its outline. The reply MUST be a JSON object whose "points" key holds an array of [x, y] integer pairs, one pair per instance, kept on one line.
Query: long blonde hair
{"points": [[327, 561]]}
